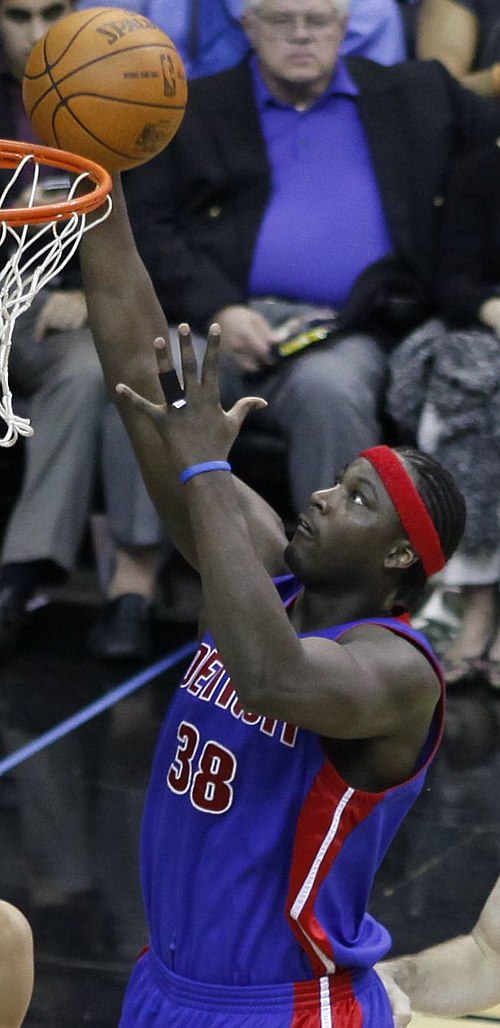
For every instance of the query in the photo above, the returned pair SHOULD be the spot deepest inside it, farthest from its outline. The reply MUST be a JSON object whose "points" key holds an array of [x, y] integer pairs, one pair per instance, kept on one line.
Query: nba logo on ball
{"points": [[108, 84]]}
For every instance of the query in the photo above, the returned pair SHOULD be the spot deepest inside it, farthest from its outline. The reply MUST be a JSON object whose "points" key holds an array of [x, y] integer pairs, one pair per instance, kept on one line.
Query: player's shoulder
{"points": [[400, 654], [377, 631]]}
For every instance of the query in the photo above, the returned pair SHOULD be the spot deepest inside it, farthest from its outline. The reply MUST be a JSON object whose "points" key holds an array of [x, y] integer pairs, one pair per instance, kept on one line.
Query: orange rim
{"points": [[11, 153]]}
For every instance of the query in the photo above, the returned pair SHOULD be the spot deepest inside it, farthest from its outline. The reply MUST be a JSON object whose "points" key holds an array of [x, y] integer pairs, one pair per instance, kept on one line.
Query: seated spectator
{"points": [[210, 37], [54, 367], [465, 36], [303, 185], [445, 390]]}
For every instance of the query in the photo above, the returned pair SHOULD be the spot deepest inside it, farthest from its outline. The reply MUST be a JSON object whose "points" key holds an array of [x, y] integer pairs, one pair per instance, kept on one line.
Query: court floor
{"points": [[491, 1017]]}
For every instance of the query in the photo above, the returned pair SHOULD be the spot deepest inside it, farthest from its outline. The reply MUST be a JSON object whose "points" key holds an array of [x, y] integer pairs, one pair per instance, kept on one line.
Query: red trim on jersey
{"points": [[329, 814]]}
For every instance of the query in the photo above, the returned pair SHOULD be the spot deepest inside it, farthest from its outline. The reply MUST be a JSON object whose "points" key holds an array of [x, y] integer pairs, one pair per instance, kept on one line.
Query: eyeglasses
{"points": [[284, 22]]}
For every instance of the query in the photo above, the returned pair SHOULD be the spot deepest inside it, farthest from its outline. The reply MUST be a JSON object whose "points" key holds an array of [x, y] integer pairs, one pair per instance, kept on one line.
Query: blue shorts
{"points": [[158, 998]]}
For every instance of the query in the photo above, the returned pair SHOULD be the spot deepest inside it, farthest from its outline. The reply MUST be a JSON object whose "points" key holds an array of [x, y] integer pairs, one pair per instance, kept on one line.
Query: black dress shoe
{"points": [[19, 582], [123, 631]]}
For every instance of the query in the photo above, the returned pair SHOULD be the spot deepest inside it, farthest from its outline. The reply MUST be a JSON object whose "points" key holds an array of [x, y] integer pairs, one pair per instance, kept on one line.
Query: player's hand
{"points": [[246, 337], [400, 1004], [191, 422], [64, 310]]}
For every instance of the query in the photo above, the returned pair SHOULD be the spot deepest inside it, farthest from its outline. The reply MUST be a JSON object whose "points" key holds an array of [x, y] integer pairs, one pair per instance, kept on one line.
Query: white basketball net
{"points": [[35, 253]]}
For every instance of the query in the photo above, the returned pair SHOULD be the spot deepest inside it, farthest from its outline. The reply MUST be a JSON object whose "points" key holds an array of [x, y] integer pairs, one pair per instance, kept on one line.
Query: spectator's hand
{"points": [[64, 310], [401, 1009], [246, 337]]}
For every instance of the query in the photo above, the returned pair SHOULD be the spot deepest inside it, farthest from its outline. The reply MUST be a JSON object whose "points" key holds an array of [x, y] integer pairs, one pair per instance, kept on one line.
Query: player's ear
{"points": [[401, 555]]}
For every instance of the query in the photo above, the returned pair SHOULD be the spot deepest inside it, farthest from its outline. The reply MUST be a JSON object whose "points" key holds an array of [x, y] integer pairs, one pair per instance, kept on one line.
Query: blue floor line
{"points": [[93, 709]]}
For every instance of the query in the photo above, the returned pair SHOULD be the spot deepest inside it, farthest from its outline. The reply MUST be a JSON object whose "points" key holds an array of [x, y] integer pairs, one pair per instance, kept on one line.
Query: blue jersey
{"points": [[257, 857]]}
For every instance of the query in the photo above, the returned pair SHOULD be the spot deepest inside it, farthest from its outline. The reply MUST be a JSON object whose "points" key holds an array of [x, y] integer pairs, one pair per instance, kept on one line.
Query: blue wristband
{"points": [[198, 469]]}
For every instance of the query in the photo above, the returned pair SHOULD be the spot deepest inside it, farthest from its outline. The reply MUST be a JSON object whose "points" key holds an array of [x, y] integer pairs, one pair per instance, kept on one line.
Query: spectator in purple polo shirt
{"points": [[301, 186]]}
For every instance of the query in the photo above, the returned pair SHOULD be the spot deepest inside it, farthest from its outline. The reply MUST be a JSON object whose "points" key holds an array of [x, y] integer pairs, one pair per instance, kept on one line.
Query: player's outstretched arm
{"points": [[125, 317], [457, 977]]}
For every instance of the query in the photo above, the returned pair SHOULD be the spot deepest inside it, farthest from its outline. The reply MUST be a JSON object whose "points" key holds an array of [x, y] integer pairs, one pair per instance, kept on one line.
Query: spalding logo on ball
{"points": [[108, 84]]}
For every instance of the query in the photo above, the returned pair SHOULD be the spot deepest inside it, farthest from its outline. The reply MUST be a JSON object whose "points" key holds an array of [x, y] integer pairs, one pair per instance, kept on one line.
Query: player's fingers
{"points": [[242, 408], [188, 359], [209, 373], [155, 411], [170, 371], [167, 355], [172, 389], [162, 351]]}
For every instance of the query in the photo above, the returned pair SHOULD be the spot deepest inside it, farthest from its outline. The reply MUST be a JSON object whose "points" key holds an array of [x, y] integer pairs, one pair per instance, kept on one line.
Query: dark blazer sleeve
{"points": [[418, 119], [469, 267], [196, 208]]}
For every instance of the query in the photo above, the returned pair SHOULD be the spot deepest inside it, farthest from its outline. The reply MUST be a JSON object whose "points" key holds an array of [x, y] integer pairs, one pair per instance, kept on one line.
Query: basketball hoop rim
{"points": [[12, 152]]}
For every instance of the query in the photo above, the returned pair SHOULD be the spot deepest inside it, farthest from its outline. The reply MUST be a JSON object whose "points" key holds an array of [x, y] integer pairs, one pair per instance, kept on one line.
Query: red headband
{"points": [[412, 511]]}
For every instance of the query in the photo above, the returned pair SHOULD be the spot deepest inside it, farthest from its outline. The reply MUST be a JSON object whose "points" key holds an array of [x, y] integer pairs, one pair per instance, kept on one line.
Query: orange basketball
{"points": [[108, 84]]}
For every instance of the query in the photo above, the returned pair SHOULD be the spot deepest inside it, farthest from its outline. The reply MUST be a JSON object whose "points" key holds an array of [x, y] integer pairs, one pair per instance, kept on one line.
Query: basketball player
{"points": [[457, 977], [301, 733]]}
